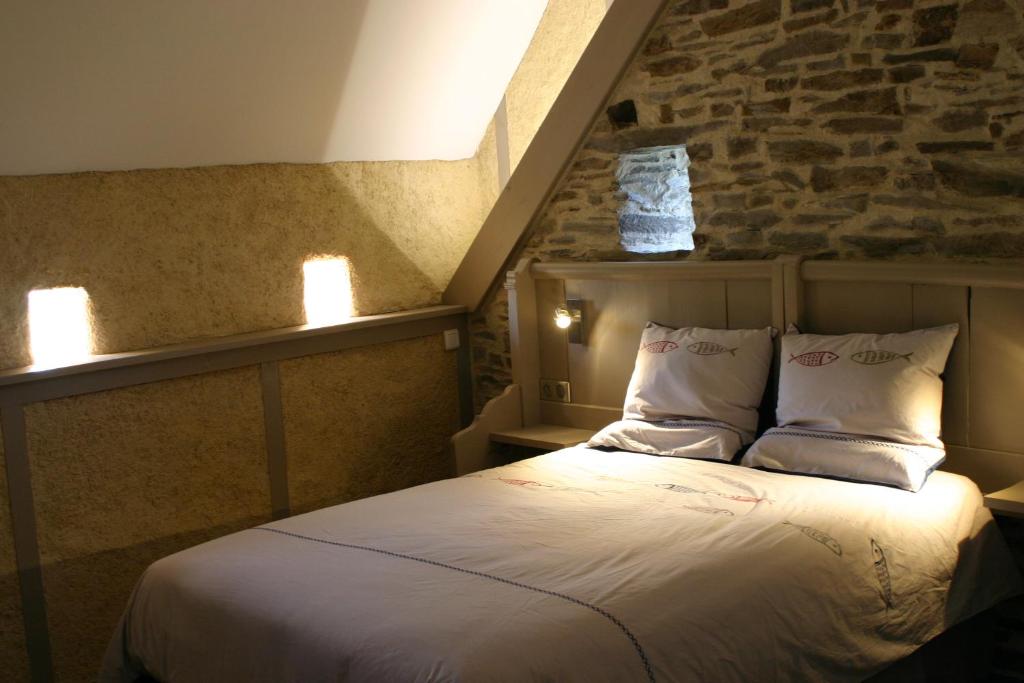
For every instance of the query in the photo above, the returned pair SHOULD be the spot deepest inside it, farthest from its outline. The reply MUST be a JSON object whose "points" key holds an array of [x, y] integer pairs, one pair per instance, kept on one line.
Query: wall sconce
{"points": [[569, 317]]}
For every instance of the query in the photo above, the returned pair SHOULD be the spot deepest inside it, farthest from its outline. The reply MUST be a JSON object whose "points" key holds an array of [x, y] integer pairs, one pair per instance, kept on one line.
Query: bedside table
{"points": [[1007, 503], [526, 442]]}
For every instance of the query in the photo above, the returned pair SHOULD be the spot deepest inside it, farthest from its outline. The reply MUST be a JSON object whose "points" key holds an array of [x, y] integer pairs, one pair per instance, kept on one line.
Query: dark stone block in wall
{"points": [[744, 219], [797, 6], [703, 151], [934, 25], [801, 23], [752, 14], [893, 5], [802, 151], [692, 7], [864, 102], [798, 241], [956, 120], [860, 148], [922, 224], [764, 123], [780, 84], [981, 56], [906, 73], [979, 181], [826, 179], [841, 80], [865, 124], [623, 114], [857, 203], [673, 66], [883, 41], [738, 147], [943, 54], [954, 146], [804, 45], [722, 109], [882, 247], [777, 106], [887, 22], [790, 179], [735, 201], [988, 245]]}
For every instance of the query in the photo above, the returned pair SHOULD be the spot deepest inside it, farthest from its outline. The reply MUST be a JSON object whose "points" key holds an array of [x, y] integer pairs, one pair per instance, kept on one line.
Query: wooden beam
{"points": [[582, 100]]}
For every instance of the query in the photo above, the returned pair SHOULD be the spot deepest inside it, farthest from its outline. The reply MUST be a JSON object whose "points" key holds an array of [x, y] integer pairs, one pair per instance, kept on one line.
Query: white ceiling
{"points": [[124, 84]]}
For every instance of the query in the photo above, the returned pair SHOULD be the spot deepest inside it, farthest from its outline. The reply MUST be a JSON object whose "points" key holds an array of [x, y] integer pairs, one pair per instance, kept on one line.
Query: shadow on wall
{"points": [[180, 254]]}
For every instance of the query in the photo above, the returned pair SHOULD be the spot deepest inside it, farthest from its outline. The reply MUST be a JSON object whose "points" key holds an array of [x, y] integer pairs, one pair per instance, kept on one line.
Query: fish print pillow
{"points": [[696, 372], [887, 386]]}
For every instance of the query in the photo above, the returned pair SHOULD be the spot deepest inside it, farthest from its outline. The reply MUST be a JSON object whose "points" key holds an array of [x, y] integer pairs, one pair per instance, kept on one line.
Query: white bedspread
{"points": [[578, 565]]}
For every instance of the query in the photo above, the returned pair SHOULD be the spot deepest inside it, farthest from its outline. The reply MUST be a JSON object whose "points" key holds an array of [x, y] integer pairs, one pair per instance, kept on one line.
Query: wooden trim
{"points": [[654, 270], [793, 291], [955, 274], [26, 544], [26, 385], [990, 470], [472, 445], [524, 338], [464, 363], [550, 437], [273, 424], [582, 100]]}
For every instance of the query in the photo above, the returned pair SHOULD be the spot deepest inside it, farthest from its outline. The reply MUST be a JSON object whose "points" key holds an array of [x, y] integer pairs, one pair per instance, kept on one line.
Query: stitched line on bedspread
{"points": [[568, 598]]}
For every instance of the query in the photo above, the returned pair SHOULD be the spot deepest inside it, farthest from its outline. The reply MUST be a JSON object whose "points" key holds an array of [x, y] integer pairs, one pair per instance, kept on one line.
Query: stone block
{"points": [[841, 80], [802, 151], [865, 124], [757, 13], [979, 181], [827, 179], [805, 44], [882, 101], [934, 25]]}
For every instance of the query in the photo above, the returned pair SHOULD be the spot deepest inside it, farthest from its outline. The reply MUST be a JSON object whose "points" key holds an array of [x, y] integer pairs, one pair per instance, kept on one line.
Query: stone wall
{"points": [[851, 129]]}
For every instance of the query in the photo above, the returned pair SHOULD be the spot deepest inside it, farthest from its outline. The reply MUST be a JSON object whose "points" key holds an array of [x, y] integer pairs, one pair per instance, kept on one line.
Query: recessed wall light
{"points": [[60, 332], [327, 290]]}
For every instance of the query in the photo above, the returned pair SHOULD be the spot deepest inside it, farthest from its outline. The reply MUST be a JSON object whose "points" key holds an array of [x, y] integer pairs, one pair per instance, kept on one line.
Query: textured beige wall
{"points": [[369, 420], [124, 477], [179, 254], [563, 34], [13, 657]]}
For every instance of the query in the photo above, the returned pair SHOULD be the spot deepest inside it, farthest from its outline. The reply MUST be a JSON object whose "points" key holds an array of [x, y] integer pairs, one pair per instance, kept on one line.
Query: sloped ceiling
{"points": [[123, 84]]}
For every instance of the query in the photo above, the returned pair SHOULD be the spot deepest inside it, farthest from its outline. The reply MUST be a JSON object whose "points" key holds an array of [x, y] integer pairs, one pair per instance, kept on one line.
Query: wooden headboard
{"points": [[983, 411]]}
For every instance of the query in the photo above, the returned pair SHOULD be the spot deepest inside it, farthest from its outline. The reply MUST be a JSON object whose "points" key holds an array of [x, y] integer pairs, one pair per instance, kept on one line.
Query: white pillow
{"points": [[706, 439], [700, 373], [882, 385], [846, 456]]}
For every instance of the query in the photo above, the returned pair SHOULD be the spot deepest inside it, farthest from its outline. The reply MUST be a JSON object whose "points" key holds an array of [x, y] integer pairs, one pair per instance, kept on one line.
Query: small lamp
{"points": [[569, 317]]}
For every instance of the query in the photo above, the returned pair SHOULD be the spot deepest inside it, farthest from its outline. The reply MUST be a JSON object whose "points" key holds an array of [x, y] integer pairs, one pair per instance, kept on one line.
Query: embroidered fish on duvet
{"points": [[819, 536], [878, 357], [663, 346], [522, 482], [882, 572], [678, 488], [814, 359], [709, 510], [706, 348]]}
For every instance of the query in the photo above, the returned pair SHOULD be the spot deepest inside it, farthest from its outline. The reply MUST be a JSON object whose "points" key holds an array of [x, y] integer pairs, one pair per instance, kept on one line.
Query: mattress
{"points": [[577, 565]]}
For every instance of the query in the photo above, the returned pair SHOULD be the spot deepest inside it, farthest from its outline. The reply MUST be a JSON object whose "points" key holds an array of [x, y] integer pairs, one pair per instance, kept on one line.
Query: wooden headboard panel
{"points": [[983, 410]]}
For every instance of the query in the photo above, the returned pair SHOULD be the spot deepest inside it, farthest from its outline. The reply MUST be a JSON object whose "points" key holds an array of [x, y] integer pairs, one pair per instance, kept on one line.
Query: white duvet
{"points": [[578, 565]]}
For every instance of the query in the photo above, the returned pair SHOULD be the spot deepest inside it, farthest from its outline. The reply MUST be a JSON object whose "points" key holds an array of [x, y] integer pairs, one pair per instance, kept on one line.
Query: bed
{"points": [[603, 564], [577, 565]]}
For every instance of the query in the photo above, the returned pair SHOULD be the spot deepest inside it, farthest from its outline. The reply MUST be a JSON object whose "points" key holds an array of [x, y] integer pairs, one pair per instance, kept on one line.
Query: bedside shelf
{"points": [[550, 437], [1008, 502]]}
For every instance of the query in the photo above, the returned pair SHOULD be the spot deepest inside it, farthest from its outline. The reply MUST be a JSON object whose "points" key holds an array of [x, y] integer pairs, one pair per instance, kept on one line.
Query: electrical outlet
{"points": [[451, 340], [555, 390]]}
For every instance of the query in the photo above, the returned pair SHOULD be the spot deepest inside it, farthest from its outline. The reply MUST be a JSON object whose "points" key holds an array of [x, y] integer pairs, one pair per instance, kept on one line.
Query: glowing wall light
{"points": [[59, 329], [327, 291]]}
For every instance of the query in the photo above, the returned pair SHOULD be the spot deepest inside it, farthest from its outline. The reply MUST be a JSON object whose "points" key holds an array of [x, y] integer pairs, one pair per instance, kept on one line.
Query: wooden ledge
{"points": [[543, 436], [21, 385]]}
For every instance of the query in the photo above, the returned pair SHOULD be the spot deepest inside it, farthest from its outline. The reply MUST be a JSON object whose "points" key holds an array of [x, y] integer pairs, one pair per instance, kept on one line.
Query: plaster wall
{"points": [[563, 34], [180, 254], [368, 421], [881, 129]]}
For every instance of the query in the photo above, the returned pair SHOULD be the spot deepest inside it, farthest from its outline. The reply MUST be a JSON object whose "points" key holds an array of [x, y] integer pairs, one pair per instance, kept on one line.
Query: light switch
{"points": [[451, 340]]}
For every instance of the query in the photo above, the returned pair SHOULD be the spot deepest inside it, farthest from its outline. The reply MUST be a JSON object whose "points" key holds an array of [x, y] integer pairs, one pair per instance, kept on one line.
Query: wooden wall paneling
{"points": [[936, 305], [26, 544], [553, 341], [273, 425], [748, 304], [997, 369], [617, 312], [522, 330], [844, 307], [581, 416], [472, 445]]}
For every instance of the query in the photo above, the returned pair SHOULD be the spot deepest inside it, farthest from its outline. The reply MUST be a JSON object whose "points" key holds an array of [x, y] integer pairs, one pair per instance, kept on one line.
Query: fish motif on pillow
{"points": [[814, 359], [663, 346], [879, 357], [706, 348]]}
